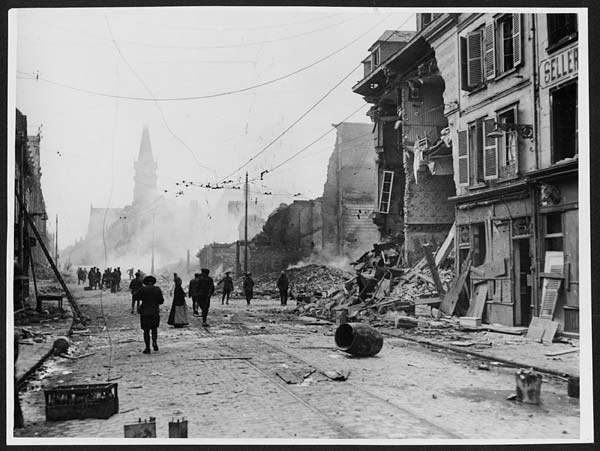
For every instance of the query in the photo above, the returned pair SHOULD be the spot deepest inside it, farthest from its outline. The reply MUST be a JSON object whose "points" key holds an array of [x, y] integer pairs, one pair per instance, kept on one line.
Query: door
{"points": [[523, 281]]}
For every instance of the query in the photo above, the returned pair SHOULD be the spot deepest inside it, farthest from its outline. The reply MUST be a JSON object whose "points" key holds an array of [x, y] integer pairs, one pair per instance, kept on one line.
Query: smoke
{"points": [[324, 258]]}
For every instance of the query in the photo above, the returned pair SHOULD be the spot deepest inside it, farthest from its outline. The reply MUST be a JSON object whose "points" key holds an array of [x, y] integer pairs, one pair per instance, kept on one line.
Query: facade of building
{"points": [[491, 101], [349, 194], [28, 192], [414, 156]]}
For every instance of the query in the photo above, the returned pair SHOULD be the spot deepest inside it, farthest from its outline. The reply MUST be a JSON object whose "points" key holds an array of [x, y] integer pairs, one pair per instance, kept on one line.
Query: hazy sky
{"points": [[89, 141]]}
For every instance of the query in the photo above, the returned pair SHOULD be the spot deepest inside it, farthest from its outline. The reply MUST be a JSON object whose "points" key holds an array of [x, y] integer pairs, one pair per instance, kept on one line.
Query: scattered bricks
{"points": [[405, 322]]}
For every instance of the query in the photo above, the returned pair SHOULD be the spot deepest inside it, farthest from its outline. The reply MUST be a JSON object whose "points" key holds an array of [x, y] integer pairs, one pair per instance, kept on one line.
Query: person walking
{"points": [[134, 286], [91, 278], [113, 281], [98, 280], [248, 286], [206, 288], [151, 297], [178, 316], [283, 284], [130, 273], [227, 282], [118, 281], [193, 292]]}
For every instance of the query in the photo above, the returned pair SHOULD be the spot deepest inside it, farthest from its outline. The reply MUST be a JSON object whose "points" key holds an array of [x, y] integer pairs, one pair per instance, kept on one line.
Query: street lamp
{"points": [[525, 131]]}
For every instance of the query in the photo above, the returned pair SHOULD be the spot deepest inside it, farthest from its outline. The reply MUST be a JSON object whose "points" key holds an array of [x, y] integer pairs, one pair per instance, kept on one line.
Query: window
{"points": [[424, 19], [491, 50], [562, 28], [479, 247], [564, 122], [553, 232], [375, 59], [508, 145], [386, 192], [477, 153]]}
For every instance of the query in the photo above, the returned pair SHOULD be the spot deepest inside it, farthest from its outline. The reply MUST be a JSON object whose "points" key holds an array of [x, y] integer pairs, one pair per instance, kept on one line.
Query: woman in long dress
{"points": [[178, 316]]}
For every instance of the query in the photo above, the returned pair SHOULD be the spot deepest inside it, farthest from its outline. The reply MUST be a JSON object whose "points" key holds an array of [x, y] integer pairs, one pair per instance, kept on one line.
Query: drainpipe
{"points": [[535, 229]]}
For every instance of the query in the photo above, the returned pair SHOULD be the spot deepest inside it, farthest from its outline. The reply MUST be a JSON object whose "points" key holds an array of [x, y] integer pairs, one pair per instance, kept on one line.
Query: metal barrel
{"points": [[358, 339]]}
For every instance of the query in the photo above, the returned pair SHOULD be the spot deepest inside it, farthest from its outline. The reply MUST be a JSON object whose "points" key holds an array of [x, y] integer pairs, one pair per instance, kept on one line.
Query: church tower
{"points": [[144, 190]]}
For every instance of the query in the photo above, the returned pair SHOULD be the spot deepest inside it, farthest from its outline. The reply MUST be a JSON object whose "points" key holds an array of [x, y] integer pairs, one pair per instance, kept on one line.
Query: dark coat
{"points": [[206, 286], [248, 284], [151, 297], [283, 283], [227, 282], [178, 296], [193, 288], [135, 285]]}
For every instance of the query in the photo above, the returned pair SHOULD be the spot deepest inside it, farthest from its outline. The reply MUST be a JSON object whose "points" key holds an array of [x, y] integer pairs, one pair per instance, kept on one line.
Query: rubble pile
{"points": [[306, 282], [379, 286]]}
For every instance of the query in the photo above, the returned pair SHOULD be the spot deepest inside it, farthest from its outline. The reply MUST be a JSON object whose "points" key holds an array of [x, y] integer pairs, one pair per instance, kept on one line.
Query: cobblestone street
{"points": [[223, 380]]}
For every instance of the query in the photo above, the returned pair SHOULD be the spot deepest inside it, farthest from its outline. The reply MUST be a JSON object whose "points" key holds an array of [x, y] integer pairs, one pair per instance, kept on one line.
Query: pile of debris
{"points": [[306, 282], [381, 285]]}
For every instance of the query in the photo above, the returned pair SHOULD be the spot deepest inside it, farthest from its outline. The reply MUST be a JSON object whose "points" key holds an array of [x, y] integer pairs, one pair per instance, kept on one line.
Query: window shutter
{"points": [[464, 84], [517, 48], [474, 59], [490, 51], [490, 152], [463, 158]]}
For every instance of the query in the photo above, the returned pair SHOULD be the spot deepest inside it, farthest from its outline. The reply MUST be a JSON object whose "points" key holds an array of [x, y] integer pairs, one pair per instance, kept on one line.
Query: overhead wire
{"points": [[162, 114], [219, 94]]}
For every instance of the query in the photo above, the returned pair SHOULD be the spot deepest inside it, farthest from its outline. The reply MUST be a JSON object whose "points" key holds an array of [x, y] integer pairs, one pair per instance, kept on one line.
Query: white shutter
{"points": [[490, 51], [490, 152], [474, 59], [517, 41], [463, 158]]}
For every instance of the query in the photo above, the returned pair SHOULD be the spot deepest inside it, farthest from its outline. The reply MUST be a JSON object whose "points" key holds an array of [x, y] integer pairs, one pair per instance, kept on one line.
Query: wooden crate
{"points": [[71, 402]]}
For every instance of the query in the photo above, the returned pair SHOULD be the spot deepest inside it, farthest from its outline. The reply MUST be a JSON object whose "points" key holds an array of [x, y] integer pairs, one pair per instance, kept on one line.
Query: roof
{"points": [[393, 36]]}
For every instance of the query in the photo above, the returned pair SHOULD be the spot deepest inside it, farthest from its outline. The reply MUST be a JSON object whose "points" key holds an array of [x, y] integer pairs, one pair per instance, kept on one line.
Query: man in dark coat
{"points": [[151, 297], [134, 286], [248, 287], [227, 282], [118, 281], [206, 288], [91, 278], [193, 292], [283, 284]]}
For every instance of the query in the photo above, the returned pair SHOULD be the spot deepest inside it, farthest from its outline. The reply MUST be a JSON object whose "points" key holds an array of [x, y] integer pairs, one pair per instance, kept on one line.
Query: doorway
{"points": [[523, 281]]}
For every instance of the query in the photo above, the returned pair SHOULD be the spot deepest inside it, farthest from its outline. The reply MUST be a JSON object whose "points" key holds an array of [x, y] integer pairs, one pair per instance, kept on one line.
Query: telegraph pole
{"points": [[152, 263], [56, 242], [246, 229]]}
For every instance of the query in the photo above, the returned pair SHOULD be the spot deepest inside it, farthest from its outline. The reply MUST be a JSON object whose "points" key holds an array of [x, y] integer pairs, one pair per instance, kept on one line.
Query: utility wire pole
{"points": [[246, 228]]}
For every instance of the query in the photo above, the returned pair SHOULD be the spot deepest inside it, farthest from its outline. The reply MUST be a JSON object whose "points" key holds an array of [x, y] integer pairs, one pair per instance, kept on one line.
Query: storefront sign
{"points": [[559, 67]]}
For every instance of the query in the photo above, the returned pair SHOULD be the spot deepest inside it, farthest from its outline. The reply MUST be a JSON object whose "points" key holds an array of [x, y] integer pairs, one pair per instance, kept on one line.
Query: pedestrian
{"points": [[227, 282], [193, 292], [118, 281], [283, 284], [130, 273], [151, 297], [113, 281], [84, 275], [91, 278], [134, 286], [98, 281], [206, 288], [248, 286], [178, 316], [79, 275]]}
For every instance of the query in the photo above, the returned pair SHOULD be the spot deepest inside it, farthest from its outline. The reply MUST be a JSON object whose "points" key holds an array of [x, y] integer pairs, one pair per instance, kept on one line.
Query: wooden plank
{"points": [[434, 272], [536, 329], [563, 352], [550, 275], [446, 246], [289, 377], [427, 301], [476, 307], [550, 329], [451, 298]]}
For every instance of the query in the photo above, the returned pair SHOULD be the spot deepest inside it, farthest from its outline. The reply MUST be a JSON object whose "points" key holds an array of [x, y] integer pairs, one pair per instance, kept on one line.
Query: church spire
{"points": [[145, 153], [144, 190]]}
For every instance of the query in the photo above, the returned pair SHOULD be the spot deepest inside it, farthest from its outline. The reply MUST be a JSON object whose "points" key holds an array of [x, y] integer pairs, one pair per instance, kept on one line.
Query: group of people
{"points": [[109, 279], [146, 299]]}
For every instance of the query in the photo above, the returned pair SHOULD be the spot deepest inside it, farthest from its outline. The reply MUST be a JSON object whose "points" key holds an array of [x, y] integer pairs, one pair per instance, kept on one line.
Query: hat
{"points": [[196, 274], [205, 271], [149, 280], [248, 273], [227, 272]]}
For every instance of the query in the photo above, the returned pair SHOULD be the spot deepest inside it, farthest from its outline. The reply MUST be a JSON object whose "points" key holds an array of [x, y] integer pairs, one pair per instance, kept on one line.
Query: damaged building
{"points": [[476, 124], [411, 142]]}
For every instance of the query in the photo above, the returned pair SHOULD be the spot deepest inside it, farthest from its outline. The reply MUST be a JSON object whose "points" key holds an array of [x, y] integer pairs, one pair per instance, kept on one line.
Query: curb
{"points": [[561, 375]]}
